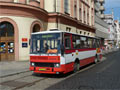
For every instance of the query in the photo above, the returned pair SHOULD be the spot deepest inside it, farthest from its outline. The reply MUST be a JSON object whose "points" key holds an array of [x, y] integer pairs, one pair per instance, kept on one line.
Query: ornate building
{"points": [[101, 26], [20, 18], [117, 28]]}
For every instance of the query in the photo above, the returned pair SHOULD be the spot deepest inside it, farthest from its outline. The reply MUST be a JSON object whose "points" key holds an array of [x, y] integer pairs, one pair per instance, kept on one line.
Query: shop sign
{"points": [[24, 39], [24, 42]]}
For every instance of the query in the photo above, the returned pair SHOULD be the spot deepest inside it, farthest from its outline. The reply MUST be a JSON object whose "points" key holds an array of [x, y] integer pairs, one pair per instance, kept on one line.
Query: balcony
{"points": [[102, 8], [102, 1], [102, 16]]}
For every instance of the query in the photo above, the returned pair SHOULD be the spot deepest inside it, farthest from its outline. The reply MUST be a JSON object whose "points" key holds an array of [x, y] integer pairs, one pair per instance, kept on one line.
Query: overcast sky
{"points": [[115, 4]]}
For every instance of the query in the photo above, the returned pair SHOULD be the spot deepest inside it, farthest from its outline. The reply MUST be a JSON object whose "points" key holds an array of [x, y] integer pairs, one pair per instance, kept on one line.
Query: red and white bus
{"points": [[54, 52]]}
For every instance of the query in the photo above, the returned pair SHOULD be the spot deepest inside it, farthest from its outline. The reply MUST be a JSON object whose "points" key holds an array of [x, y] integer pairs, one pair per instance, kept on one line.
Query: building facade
{"points": [[117, 28], [20, 18], [109, 19], [100, 25]]}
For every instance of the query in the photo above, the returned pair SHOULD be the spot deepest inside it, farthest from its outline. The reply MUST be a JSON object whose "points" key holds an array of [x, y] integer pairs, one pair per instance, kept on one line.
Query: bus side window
{"points": [[94, 43], [83, 42], [74, 41], [67, 42], [90, 42]]}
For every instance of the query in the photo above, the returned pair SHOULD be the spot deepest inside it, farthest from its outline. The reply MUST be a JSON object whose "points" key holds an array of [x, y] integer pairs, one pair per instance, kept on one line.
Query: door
{"points": [[6, 41]]}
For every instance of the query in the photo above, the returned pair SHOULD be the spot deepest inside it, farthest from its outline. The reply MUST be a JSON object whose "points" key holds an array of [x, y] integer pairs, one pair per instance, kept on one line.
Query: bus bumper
{"points": [[48, 70]]}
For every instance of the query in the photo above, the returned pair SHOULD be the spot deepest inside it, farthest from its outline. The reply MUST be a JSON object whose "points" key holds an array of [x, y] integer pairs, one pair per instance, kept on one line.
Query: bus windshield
{"points": [[45, 43]]}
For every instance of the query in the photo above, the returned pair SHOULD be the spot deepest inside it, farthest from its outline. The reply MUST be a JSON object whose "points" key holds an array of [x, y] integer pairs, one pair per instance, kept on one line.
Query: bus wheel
{"points": [[76, 67]]}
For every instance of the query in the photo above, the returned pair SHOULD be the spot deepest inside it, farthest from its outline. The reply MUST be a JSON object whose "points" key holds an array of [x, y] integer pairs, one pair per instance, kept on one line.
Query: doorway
{"points": [[6, 41]]}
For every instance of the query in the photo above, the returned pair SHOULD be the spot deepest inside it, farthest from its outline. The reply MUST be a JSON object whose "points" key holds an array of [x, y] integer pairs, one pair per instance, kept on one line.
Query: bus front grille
{"points": [[44, 64]]}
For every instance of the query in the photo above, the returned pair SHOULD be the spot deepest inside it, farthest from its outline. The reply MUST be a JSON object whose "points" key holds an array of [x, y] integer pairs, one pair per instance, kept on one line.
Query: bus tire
{"points": [[76, 67]]}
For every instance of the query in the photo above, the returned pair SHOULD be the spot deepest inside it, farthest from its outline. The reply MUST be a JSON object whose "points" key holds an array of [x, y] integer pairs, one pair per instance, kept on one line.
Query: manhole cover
{"points": [[14, 83]]}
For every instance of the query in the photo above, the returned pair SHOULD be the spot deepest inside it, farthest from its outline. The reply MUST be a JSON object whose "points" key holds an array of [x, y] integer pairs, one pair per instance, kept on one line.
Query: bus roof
{"points": [[43, 32], [59, 31]]}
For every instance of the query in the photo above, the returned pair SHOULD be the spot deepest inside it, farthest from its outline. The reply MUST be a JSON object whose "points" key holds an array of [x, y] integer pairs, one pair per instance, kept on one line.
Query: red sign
{"points": [[24, 39]]}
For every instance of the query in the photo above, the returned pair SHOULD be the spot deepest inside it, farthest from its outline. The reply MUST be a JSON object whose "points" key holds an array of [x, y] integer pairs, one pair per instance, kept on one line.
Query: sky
{"points": [[115, 4]]}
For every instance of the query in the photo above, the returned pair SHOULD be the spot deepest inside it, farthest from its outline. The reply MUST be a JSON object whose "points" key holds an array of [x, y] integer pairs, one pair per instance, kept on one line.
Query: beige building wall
{"points": [[24, 25], [15, 1], [49, 5], [51, 26], [63, 27], [58, 5]]}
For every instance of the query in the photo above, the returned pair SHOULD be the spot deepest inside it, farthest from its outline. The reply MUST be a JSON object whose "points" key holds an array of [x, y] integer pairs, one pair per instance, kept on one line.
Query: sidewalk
{"points": [[8, 68]]}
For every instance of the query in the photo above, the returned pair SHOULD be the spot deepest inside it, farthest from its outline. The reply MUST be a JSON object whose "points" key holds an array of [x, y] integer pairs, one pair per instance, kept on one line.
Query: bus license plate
{"points": [[42, 69]]}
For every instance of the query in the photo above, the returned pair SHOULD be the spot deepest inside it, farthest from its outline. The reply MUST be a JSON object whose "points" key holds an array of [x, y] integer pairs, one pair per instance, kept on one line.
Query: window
{"points": [[84, 33], [88, 16], [2, 47], [90, 42], [68, 29], [6, 29], [84, 42], [10, 47], [45, 43], [36, 28], [67, 42], [75, 11], [94, 43], [80, 32], [84, 17], [66, 5], [80, 14], [97, 43], [76, 41], [81, 42]]}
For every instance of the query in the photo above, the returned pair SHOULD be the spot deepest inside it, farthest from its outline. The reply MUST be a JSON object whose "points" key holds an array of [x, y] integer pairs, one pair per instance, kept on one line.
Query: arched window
{"points": [[36, 28], [6, 29]]}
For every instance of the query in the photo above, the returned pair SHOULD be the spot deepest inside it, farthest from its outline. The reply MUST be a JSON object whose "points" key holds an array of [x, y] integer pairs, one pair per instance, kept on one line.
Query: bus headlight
{"points": [[57, 65], [33, 64]]}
